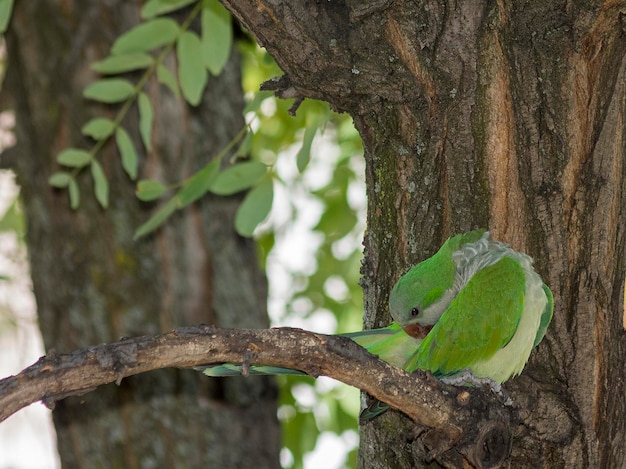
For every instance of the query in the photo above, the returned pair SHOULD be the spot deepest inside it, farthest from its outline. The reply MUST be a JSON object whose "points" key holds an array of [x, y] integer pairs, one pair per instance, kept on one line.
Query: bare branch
{"points": [[57, 376]]}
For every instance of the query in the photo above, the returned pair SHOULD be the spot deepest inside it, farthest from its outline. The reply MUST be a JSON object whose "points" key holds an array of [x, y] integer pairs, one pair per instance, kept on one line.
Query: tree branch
{"points": [[56, 376]]}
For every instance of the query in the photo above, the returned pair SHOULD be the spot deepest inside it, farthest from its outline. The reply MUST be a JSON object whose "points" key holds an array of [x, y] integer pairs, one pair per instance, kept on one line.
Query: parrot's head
{"points": [[415, 299], [420, 296]]}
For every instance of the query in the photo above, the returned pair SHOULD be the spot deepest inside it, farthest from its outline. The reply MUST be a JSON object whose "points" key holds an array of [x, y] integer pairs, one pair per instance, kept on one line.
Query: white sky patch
{"points": [[330, 450], [344, 247], [7, 122], [305, 395], [336, 288], [268, 107], [325, 384], [286, 458]]}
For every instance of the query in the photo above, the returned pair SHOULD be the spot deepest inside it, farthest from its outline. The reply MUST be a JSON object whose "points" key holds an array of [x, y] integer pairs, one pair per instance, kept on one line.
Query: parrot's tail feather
{"points": [[373, 410], [231, 369]]}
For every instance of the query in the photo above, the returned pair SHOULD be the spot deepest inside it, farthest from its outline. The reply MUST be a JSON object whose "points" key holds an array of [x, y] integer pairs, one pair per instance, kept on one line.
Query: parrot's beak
{"points": [[417, 331]]}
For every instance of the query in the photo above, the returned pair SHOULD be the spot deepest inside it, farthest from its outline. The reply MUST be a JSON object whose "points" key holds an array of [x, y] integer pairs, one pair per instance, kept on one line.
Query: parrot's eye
{"points": [[415, 311]]}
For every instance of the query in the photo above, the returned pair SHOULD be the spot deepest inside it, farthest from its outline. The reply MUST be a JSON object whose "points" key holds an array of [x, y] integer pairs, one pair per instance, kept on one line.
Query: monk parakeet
{"points": [[476, 306]]}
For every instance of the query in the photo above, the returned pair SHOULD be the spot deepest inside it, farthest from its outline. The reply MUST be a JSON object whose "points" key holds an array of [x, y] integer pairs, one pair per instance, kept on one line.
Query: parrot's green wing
{"points": [[232, 369], [374, 410], [390, 343], [479, 321]]}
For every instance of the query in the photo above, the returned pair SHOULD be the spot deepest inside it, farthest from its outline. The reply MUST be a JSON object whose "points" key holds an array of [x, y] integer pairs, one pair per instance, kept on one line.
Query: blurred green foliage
{"points": [[13, 220], [328, 197]]}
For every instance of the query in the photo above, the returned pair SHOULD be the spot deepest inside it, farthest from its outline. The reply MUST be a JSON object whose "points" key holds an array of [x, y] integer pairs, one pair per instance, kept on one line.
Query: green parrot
{"points": [[474, 309]]}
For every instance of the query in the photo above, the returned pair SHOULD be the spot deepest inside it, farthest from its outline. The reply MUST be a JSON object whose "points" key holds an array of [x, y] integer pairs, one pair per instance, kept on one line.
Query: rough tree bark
{"points": [[508, 115], [94, 284]]}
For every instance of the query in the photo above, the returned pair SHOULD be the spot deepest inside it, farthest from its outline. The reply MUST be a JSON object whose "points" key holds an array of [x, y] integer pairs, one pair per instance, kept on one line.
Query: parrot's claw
{"points": [[467, 378]]}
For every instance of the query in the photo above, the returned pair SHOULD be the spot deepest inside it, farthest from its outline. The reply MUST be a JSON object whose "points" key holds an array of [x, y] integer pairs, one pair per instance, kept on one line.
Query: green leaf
{"points": [[192, 75], [255, 208], [127, 152], [74, 157], [304, 155], [198, 184], [122, 63], [60, 179], [109, 90], [157, 219], [217, 36], [101, 185], [6, 8], [148, 190], [238, 177], [74, 194], [98, 128], [165, 76], [154, 8], [337, 220], [245, 147], [145, 120], [147, 36], [13, 219]]}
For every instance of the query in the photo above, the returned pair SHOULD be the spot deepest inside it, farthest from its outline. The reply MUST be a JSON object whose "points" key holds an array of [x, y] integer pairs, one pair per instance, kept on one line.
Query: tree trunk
{"points": [[504, 115], [94, 284]]}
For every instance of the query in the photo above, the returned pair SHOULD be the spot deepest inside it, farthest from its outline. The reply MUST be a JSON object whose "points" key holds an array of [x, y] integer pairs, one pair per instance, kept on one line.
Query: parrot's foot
{"points": [[467, 378]]}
